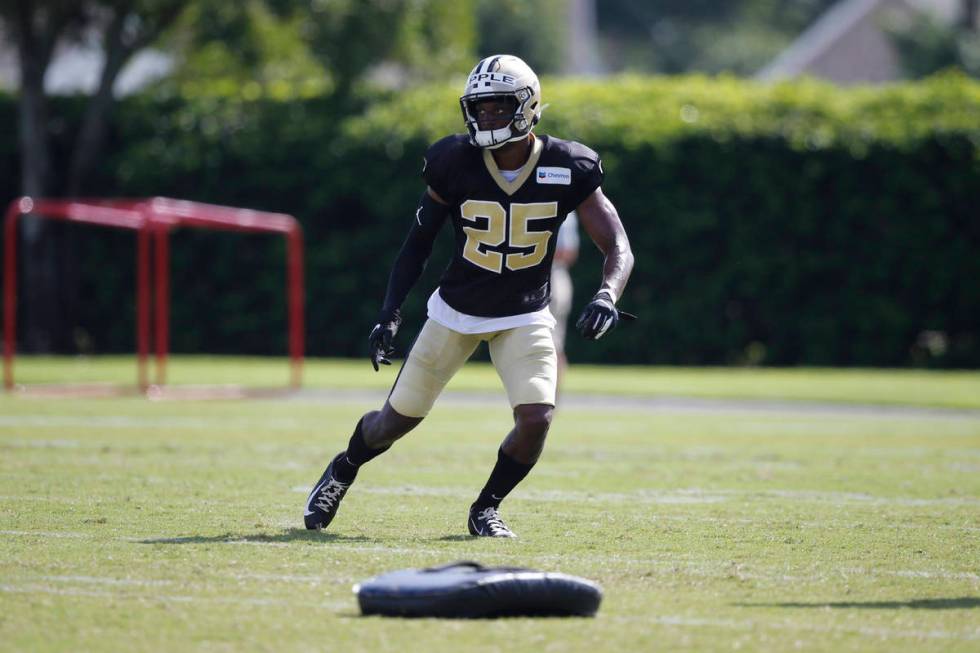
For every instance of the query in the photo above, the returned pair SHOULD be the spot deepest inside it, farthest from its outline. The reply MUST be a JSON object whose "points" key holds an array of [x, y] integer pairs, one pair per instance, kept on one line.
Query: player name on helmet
{"points": [[486, 78]]}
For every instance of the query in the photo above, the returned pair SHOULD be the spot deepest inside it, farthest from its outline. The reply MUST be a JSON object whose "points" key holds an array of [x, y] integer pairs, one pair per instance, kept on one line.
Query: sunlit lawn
{"points": [[131, 525], [916, 387]]}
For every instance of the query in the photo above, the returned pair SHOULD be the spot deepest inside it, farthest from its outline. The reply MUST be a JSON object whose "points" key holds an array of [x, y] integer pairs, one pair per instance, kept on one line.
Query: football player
{"points": [[505, 191]]}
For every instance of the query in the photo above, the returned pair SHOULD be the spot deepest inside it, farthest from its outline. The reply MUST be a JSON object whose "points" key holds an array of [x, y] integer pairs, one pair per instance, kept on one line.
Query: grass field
{"points": [[909, 387], [132, 525]]}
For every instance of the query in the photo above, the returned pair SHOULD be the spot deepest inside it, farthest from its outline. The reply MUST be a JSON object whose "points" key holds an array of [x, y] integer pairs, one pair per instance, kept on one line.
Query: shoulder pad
{"points": [[586, 167], [441, 160], [582, 157], [444, 148]]}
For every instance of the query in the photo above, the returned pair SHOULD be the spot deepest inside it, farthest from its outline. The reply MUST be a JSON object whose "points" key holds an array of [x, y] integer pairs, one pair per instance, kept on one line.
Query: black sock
{"points": [[506, 474], [346, 464]]}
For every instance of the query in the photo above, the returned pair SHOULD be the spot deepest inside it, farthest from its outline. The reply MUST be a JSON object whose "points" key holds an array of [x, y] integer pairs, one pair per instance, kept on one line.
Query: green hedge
{"points": [[787, 224]]}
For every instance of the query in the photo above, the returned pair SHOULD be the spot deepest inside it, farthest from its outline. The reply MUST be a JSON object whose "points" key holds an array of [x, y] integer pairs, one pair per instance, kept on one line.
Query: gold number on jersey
{"points": [[520, 217], [494, 234]]}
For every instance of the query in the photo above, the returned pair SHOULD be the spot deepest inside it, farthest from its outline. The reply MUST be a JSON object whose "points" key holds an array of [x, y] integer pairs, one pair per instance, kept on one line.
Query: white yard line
{"points": [[153, 582], [681, 496], [130, 422], [692, 496], [106, 580], [657, 403], [57, 534], [570, 402], [964, 575], [37, 588], [747, 625], [668, 564]]}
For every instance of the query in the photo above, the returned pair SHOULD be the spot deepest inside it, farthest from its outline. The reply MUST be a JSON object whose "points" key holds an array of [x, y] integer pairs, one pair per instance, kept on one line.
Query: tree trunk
{"points": [[95, 124], [87, 150], [38, 287], [970, 10], [119, 46]]}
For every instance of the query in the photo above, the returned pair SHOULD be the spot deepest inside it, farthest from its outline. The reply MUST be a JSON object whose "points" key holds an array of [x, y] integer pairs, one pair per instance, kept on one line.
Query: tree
{"points": [[242, 49], [534, 31], [281, 40], [426, 38], [38, 26], [297, 46], [677, 36], [926, 44]]}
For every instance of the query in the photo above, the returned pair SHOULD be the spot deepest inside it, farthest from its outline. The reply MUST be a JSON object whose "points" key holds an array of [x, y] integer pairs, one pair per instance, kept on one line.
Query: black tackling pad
{"points": [[470, 590]]}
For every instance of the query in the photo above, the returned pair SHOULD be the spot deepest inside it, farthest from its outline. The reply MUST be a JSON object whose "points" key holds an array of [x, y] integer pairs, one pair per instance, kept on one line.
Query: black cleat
{"points": [[322, 504], [486, 522]]}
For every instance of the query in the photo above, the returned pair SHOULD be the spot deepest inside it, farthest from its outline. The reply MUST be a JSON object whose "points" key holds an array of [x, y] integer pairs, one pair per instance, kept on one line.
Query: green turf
{"points": [[130, 525], [955, 389]]}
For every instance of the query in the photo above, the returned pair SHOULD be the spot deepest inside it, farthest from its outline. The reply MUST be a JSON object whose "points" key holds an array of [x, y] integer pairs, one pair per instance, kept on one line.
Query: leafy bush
{"points": [[789, 224]]}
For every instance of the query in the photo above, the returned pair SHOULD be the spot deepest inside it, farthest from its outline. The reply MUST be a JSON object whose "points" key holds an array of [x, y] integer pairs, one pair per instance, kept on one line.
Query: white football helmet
{"points": [[502, 76]]}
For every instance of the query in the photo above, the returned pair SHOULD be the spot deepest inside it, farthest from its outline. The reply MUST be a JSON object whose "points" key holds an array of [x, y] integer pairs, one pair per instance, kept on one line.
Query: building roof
{"points": [[847, 44]]}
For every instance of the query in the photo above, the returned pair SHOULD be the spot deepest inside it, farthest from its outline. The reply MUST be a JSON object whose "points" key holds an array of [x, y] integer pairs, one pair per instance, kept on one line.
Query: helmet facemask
{"points": [[518, 123]]}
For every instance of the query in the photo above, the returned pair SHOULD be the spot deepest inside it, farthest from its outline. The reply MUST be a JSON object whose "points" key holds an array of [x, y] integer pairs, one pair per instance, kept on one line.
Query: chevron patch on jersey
{"points": [[551, 175]]}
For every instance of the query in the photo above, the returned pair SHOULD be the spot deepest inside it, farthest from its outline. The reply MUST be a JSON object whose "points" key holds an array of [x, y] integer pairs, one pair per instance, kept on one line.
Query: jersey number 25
{"points": [[496, 232]]}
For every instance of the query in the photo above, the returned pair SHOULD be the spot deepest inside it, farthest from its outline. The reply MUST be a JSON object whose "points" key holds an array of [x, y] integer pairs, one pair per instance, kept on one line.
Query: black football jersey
{"points": [[506, 231]]}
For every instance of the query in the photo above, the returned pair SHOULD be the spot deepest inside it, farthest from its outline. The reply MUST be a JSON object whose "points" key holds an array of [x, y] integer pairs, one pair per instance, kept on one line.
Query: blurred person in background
{"points": [[562, 291]]}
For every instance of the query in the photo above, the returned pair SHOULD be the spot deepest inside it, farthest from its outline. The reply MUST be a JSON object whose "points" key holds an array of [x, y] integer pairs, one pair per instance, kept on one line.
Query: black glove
{"points": [[600, 316], [382, 335]]}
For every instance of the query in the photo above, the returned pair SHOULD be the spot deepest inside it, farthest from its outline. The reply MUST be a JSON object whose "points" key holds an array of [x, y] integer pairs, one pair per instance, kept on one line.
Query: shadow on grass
{"points": [[958, 603], [454, 538], [286, 536]]}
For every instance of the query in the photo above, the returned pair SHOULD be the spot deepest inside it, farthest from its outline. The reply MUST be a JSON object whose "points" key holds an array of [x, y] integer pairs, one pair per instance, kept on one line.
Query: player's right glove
{"points": [[382, 336], [599, 316]]}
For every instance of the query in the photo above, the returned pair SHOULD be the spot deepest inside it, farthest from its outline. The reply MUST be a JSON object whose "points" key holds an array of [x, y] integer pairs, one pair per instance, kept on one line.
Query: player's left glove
{"points": [[600, 316], [382, 336]]}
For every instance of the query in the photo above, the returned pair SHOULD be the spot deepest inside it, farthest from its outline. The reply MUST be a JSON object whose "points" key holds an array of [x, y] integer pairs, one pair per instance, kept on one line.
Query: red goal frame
{"points": [[152, 220]]}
